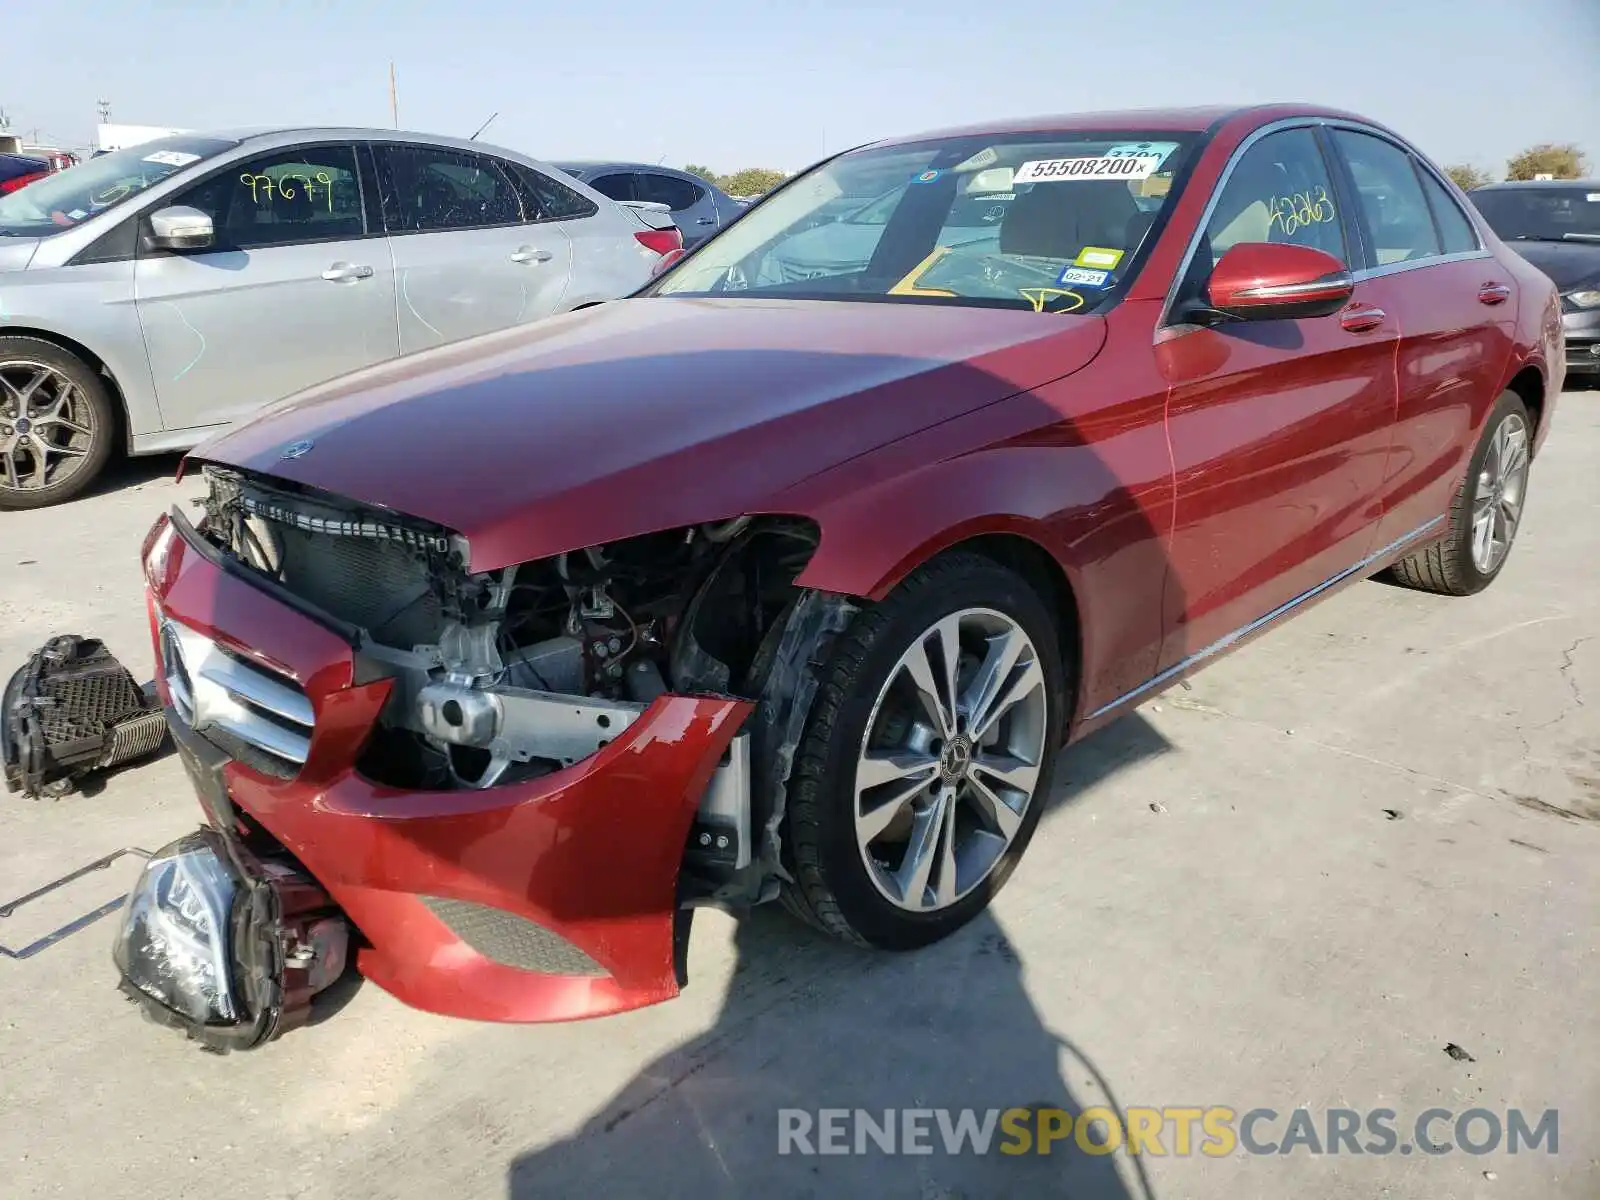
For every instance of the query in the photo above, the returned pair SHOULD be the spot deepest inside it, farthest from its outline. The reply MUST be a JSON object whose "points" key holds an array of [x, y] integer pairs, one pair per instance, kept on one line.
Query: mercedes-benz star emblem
{"points": [[297, 450]]}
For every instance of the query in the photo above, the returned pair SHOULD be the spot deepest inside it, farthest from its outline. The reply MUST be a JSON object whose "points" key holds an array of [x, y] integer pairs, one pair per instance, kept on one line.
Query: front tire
{"points": [[927, 756], [1486, 512], [57, 424]]}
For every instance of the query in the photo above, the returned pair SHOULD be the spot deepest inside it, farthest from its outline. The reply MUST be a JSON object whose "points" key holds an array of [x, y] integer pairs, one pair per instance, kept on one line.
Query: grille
{"points": [[512, 940], [380, 585], [239, 704]]}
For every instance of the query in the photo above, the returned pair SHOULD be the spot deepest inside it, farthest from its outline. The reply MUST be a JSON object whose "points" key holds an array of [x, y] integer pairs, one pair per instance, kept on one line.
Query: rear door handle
{"points": [[1359, 320], [706, 221], [1493, 293], [343, 272], [527, 254]]}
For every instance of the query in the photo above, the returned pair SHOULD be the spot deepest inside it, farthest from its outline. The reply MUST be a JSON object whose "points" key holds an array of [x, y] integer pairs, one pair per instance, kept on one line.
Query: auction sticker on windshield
{"points": [[1062, 170], [1083, 277], [1100, 258], [172, 158]]}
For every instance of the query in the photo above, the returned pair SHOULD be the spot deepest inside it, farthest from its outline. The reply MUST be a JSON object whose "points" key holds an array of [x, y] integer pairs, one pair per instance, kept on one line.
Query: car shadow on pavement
{"points": [[810, 1023], [125, 474]]}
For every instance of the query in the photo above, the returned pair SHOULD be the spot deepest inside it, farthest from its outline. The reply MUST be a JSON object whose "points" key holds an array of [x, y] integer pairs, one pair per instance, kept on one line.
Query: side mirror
{"points": [[1269, 281], [179, 227]]}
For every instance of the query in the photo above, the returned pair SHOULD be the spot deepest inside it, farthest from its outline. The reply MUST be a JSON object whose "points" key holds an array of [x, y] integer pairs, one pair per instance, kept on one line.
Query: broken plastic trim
{"points": [[73, 709], [787, 670]]}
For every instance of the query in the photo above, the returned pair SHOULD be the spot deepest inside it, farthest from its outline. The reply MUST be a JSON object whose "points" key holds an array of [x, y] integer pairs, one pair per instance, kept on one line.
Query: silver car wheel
{"points": [[1497, 500], [47, 426], [951, 759]]}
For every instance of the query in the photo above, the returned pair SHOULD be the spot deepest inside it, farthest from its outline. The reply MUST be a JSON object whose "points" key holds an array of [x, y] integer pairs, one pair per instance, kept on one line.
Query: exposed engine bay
{"points": [[504, 676]]}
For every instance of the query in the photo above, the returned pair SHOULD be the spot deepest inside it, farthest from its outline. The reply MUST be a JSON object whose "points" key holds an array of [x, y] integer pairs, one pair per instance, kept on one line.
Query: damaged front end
{"points": [[516, 784]]}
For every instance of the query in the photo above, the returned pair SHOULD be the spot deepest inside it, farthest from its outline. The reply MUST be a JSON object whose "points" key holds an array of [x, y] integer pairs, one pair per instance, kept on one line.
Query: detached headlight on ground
{"points": [[175, 941], [225, 945]]}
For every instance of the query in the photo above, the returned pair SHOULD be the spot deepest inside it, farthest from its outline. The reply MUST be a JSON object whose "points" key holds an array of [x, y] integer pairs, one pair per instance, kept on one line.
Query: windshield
{"points": [[64, 199], [1047, 222], [1542, 214]]}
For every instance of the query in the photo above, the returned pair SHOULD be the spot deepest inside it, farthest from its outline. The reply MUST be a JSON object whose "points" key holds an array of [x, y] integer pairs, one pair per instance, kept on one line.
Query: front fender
{"points": [[1094, 491]]}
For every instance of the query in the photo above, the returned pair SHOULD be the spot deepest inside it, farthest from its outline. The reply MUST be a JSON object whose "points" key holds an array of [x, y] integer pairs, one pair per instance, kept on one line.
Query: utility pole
{"points": [[394, 98], [104, 107]]}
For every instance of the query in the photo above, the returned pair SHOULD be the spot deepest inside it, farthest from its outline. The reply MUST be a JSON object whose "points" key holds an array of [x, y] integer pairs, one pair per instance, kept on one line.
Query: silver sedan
{"points": [[153, 296]]}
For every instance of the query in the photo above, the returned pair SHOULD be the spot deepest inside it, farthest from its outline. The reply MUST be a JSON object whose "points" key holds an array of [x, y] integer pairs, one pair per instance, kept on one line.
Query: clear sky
{"points": [[734, 83]]}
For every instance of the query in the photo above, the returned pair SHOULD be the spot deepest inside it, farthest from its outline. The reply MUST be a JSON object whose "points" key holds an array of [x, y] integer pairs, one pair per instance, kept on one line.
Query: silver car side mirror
{"points": [[179, 227]]}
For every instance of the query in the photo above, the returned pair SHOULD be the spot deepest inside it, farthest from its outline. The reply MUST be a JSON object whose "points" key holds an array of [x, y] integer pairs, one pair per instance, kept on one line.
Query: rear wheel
{"points": [[927, 756], [56, 424], [1486, 512]]}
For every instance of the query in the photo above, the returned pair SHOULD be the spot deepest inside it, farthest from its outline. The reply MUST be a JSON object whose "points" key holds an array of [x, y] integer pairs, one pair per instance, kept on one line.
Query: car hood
{"points": [[1569, 264], [646, 414], [16, 253]]}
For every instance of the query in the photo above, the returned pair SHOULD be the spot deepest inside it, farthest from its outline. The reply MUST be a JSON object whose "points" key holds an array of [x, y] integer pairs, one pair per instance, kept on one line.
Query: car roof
{"points": [[613, 164], [295, 133], [1507, 185], [1145, 120]]}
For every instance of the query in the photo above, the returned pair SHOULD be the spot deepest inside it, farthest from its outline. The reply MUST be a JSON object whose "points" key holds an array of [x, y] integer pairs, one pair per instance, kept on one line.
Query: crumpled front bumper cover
{"points": [[546, 900]]}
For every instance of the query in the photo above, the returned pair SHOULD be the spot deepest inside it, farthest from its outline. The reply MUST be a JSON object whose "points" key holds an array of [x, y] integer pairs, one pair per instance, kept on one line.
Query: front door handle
{"points": [[1493, 293], [1359, 320], [706, 221], [527, 254], [343, 272]]}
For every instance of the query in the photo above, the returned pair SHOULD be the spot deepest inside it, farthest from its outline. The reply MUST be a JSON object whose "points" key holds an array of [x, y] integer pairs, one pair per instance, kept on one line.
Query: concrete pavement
{"points": [[1372, 834]]}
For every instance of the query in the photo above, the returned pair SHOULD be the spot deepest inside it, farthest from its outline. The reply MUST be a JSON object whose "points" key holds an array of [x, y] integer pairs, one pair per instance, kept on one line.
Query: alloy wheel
{"points": [[1498, 497], [951, 759], [47, 426]]}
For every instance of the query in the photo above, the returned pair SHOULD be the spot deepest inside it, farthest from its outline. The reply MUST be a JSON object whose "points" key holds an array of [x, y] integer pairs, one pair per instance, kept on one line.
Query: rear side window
{"points": [[676, 194], [1279, 191], [1455, 231], [433, 188], [544, 199], [1394, 212], [616, 187]]}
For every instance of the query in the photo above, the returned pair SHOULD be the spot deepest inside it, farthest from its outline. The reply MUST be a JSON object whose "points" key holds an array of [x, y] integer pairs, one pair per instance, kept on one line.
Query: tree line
{"points": [[751, 181], [1556, 159]]}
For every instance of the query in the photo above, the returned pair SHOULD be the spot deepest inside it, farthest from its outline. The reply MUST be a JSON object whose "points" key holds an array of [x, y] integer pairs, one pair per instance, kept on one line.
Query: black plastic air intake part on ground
{"points": [[73, 709]]}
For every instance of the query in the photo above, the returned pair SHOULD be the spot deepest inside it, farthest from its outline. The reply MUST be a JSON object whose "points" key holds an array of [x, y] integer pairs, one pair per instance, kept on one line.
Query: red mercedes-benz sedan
{"points": [[788, 576]]}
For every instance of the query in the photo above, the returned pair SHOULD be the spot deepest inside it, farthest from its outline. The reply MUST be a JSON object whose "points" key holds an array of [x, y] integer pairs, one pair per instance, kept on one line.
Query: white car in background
{"points": [[153, 296]]}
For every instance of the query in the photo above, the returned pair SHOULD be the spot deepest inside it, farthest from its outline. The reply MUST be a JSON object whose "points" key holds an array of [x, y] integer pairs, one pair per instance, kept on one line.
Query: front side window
{"points": [[1278, 191], [1037, 221], [1393, 210], [433, 189], [305, 194], [1540, 213], [63, 200]]}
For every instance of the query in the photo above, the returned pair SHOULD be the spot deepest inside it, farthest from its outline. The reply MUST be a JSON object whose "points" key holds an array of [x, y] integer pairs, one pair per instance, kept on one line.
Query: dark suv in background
{"points": [[698, 208], [1555, 225]]}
